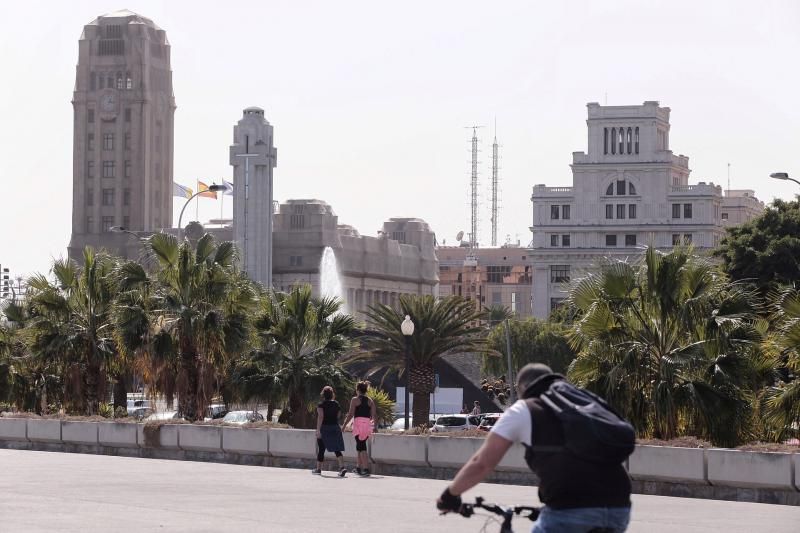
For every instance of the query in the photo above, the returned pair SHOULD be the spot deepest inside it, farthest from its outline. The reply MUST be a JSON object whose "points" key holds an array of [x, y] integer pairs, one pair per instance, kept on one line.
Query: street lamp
{"points": [[783, 176], [211, 188], [407, 327]]}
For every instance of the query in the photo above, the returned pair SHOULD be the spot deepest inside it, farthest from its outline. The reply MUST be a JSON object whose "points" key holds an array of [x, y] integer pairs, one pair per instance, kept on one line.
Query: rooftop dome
{"points": [[127, 14]]}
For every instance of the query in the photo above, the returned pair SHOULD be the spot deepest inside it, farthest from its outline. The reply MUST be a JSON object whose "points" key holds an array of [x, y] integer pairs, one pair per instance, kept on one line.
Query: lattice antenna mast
{"points": [[473, 236], [494, 186]]}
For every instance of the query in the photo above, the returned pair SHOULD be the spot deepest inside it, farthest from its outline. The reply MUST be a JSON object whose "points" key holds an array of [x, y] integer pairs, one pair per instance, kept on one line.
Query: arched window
{"points": [[610, 190], [101, 81], [605, 140], [621, 141], [631, 189], [613, 140], [128, 80], [636, 140], [629, 140], [120, 82]]}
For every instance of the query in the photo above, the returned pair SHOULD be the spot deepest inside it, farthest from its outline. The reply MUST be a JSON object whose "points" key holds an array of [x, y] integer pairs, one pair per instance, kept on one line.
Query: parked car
{"points": [[242, 417], [215, 411], [134, 405], [165, 415], [140, 413], [488, 420], [400, 423], [455, 422]]}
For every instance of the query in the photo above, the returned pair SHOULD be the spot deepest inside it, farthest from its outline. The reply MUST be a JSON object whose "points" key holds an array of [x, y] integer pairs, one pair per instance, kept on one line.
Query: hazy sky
{"points": [[369, 99]]}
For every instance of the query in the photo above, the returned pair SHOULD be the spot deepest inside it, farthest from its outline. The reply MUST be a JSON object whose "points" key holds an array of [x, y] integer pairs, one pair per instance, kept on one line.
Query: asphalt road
{"points": [[42, 491]]}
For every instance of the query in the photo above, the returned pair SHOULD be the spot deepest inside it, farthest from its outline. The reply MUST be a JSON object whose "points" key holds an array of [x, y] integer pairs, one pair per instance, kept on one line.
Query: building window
{"points": [[613, 139], [128, 81], [90, 116], [605, 140], [609, 211], [621, 141], [676, 239], [108, 169], [127, 141], [724, 216], [559, 273], [127, 114], [611, 240], [687, 238], [636, 140], [296, 260], [399, 236], [126, 197], [108, 223], [630, 240], [629, 139], [565, 212], [297, 221], [620, 187], [565, 241], [497, 273], [90, 141], [127, 168], [102, 80], [89, 224], [687, 210], [631, 210], [553, 240], [676, 210], [108, 197], [89, 197], [120, 81], [631, 189], [555, 303], [90, 169], [108, 141], [610, 190], [93, 84], [554, 211], [620, 211]]}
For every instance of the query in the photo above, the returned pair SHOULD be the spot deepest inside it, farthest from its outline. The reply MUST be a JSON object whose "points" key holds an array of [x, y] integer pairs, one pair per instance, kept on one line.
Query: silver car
{"points": [[456, 422]]}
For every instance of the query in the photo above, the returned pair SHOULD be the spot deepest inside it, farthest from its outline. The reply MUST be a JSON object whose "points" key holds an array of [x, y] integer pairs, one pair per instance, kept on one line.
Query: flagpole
{"points": [[222, 202], [197, 204]]}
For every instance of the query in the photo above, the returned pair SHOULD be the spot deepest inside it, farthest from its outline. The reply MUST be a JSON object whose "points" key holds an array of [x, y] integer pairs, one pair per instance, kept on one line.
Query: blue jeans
{"points": [[582, 520]]}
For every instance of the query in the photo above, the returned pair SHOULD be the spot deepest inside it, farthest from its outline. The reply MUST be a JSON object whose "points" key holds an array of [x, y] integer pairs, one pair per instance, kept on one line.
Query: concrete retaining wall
{"points": [[736, 468], [687, 472]]}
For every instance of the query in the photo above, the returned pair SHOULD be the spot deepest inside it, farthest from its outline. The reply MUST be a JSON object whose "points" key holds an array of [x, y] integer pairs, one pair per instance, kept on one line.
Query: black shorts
{"points": [[361, 445]]}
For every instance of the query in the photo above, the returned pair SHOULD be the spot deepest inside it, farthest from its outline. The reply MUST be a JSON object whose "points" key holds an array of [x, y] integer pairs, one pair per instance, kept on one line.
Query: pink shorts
{"points": [[362, 427]]}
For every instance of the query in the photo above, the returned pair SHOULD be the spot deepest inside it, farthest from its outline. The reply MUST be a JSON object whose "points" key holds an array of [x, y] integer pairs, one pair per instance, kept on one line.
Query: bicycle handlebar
{"points": [[468, 509]]}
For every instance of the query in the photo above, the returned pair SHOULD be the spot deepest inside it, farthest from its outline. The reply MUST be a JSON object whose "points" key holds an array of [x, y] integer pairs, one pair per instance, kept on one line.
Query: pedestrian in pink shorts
{"points": [[365, 420]]}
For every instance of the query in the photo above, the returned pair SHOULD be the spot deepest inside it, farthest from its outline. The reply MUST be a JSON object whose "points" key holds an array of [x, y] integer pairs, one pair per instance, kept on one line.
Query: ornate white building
{"points": [[629, 190]]}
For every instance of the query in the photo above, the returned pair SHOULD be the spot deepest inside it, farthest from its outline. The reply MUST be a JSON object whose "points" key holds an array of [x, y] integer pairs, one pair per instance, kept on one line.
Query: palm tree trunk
{"points": [[92, 385], [422, 382], [422, 408], [187, 394], [120, 391], [297, 411]]}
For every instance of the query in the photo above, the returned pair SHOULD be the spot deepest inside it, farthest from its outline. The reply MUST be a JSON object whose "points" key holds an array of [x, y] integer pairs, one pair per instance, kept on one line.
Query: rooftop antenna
{"points": [[494, 186], [473, 236], [729, 179]]}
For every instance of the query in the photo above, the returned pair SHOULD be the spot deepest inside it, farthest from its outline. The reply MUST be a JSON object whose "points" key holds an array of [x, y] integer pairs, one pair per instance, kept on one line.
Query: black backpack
{"points": [[592, 429]]}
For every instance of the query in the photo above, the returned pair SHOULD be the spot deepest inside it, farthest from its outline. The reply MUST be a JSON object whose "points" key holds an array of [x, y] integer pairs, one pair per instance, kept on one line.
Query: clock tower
{"points": [[123, 134]]}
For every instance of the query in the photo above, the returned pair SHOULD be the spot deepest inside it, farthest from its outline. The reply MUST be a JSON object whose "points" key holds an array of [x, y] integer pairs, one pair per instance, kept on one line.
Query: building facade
{"points": [[123, 133], [253, 157], [488, 276], [629, 191]]}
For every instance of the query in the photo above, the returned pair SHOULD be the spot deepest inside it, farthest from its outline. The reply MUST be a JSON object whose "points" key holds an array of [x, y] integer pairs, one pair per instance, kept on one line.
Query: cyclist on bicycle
{"points": [[578, 495]]}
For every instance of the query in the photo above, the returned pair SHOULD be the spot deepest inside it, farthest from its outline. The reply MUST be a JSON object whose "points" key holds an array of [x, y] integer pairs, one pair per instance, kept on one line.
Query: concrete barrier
{"points": [[79, 432], [399, 450], [44, 430], [200, 438], [246, 441], [167, 436], [15, 429], [350, 446], [452, 452], [293, 443], [796, 464], [736, 468], [117, 434], [668, 464]]}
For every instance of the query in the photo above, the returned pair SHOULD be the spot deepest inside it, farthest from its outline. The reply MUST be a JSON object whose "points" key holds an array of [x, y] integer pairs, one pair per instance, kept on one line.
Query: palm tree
{"points": [[441, 327], [671, 343], [187, 319], [70, 327], [781, 398], [302, 339]]}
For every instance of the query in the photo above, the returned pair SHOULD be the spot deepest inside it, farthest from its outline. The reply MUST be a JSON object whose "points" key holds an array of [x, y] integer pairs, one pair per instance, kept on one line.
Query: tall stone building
{"points": [[253, 157], [123, 134], [629, 190]]}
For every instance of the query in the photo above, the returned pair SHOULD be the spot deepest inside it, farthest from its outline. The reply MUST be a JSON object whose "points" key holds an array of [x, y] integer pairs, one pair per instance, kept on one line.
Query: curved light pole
{"points": [[407, 327], [211, 188], [783, 176]]}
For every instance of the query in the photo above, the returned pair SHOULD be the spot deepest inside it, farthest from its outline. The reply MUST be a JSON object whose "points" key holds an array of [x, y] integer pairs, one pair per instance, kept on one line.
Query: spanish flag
{"points": [[203, 187], [182, 191]]}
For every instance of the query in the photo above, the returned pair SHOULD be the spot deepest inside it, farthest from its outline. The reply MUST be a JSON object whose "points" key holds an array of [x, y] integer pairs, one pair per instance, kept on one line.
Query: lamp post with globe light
{"points": [[211, 188], [407, 327]]}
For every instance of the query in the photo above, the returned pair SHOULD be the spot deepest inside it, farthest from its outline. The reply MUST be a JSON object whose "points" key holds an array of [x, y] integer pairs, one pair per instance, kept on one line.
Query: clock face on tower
{"points": [[108, 104]]}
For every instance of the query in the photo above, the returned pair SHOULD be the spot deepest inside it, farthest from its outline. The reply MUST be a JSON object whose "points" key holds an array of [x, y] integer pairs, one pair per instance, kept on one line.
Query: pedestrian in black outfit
{"points": [[329, 434]]}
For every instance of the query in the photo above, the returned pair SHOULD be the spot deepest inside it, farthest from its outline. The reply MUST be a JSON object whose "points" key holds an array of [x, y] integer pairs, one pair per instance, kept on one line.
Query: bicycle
{"points": [[508, 513]]}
